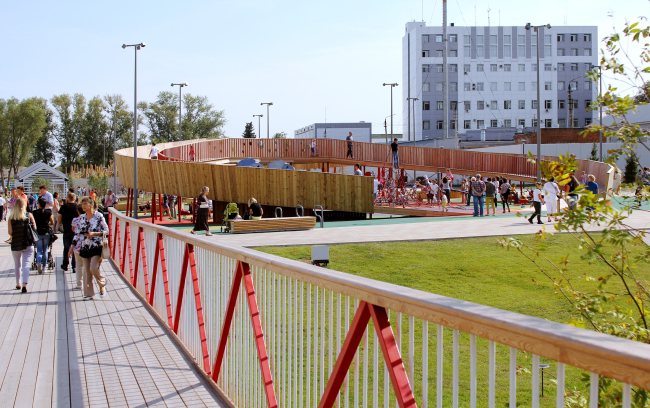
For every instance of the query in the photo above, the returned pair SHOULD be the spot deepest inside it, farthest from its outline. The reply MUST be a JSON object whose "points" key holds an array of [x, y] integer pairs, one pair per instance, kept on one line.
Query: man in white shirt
{"points": [[154, 152], [357, 170], [47, 196], [375, 188], [538, 200], [551, 192]]}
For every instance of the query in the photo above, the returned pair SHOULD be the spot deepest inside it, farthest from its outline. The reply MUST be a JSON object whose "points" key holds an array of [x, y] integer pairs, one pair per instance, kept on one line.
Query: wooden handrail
{"points": [[617, 358]]}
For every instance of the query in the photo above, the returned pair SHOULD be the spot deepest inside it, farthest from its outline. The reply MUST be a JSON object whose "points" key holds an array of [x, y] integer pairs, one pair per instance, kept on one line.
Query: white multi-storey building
{"points": [[492, 74]]}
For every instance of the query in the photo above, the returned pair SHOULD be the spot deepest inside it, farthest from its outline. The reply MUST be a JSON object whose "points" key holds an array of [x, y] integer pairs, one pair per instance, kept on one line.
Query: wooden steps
{"points": [[272, 224]]}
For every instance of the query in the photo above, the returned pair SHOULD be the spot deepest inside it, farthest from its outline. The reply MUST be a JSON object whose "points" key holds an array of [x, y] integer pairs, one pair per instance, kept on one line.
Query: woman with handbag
{"points": [[93, 228], [43, 218], [202, 213], [22, 229]]}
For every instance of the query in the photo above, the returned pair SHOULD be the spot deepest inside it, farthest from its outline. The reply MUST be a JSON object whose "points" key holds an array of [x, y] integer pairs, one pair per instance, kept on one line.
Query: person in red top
{"points": [[192, 153]]}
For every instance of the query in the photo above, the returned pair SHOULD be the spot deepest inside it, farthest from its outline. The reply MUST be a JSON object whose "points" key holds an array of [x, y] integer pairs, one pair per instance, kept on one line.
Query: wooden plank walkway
{"points": [[57, 350]]}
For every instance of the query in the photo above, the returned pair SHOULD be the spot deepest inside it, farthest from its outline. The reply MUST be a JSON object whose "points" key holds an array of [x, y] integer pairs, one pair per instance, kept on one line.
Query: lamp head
{"points": [[123, 46], [527, 26], [142, 45], [384, 84], [185, 84], [172, 84], [548, 26]]}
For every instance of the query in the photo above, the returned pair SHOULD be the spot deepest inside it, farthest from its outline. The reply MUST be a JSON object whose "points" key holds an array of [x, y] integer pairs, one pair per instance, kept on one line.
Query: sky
{"points": [[315, 60]]}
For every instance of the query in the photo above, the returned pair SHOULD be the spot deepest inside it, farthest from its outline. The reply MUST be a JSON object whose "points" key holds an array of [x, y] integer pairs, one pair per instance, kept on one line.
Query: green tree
{"points": [[200, 120], [594, 152], [40, 181], [99, 183], [44, 148], [120, 119], [631, 168], [70, 113], [95, 131], [161, 117], [280, 135], [249, 131], [643, 94]]}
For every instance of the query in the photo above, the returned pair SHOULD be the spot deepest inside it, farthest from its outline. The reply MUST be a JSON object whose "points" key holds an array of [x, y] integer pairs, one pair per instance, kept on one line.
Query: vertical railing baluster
{"points": [[330, 330], [513, 376], [308, 353], [346, 393], [593, 391], [627, 395], [439, 359], [365, 368], [425, 364], [375, 370], [398, 339], [338, 336], [322, 342], [411, 350], [356, 367], [315, 369], [492, 373], [455, 370], [535, 396], [559, 401], [302, 346]]}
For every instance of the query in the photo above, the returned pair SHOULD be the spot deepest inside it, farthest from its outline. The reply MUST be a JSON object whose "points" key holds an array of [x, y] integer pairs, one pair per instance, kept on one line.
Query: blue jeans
{"points": [[41, 249], [396, 160], [478, 203]]}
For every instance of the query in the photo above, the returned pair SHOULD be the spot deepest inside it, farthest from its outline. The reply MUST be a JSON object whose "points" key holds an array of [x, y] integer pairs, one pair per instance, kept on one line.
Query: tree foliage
{"points": [[249, 131], [94, 132], [280, 135], [99, 183], [44, 148], [161, 117], [631, 168], [38, 181], [70, 112], [200, 119]]}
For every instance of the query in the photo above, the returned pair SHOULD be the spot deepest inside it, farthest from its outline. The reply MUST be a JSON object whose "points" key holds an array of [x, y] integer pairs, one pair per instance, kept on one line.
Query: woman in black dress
{"points": [[202, 213]]}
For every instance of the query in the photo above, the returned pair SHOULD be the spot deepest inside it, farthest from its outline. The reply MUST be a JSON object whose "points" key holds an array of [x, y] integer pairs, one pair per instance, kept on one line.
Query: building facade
{"points": [[361, 131], [492, 74]]}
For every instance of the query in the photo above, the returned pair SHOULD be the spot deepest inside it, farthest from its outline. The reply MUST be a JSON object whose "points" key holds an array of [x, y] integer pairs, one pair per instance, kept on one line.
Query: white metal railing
{"points": [[453, 353]]}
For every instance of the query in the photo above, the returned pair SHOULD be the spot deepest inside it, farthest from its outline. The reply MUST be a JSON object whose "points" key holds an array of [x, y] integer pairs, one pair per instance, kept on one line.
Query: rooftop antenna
{"points": [[422, 10], [488, 14]]}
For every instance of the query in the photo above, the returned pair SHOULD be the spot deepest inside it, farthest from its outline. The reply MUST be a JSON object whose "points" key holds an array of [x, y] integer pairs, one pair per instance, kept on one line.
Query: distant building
{"points": [[382, 137], [492, 74], [361, 131]]}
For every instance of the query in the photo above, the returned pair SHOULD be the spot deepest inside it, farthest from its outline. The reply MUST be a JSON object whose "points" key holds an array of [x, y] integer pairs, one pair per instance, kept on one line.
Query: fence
{"points": [[281, 333]]}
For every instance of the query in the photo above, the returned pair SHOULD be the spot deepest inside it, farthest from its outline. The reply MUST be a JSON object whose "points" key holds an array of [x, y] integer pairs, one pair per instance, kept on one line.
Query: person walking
{"points": [[505, 194], [55, 211], [49, 199], [3, 202], [76, 247], [350, 141], [357, 170], [93, 226], [192, 154], [393, 148], [110, 199], [592, 186], [22, 242], [43, 217], [256, 210], [153, 153], [477, 187], [67, 213], [573, 197], [490, 193], [446, 187], [202, 213], [538, 200], [551, 193]]}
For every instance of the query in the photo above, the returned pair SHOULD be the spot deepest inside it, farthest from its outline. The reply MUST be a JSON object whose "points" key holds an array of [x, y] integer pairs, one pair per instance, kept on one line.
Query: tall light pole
{"points": [[391, 108], [136, 48], [413, 99], [267, 116], [180, 107], [114, 112], [539, 108], [259, 118], [445, 74], [600, 107]]}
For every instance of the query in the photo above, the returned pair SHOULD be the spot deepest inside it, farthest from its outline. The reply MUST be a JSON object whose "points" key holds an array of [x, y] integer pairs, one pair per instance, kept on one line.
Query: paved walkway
{"points": [[57, 350]]}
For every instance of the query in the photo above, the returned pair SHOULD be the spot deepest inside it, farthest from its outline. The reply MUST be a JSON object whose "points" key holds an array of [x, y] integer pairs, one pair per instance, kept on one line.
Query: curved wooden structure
{"points": [[215, 158]]}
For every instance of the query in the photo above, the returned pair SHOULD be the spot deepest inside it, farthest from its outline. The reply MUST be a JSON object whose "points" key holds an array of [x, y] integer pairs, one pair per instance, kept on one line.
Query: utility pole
{"points": [[413, 99], [258, 125], [445, 74], [393, 85], [456, 127], [267, 116], [570, 108], [386, 130], [114, 148]]}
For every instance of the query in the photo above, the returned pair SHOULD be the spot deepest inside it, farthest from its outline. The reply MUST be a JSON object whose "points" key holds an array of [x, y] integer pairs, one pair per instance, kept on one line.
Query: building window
{"points": [[533, 67], [453, 37], [507, 105], [534, 123], [480, 124], [522, 104], [522, 122], [574, 52], [548, 50], [440, 105], [426, 124], [479, 86], [452, 125], [560, 86], [522, 67], [425, 68], [493, 51], [521, 51], [575, 122], [426, 105], [560, 52], [507, 67], [575, 103], [586, 52], [438, 38], [439, 53], [587, 122], [560, 67], [561, 104], [534, 85], [467, 124], [548, 104], [548, 67], [453, 86], [522, 86], [507, 51], [548, 123], [533, 104], [507, 123], [439, 68], [467, 68], [438, 86], [587, 37], [453, 53], [467, 39], [573, 86], [468, 105], [480, 105], [493, 67], [439, 124], [507, 40], [467, 86], [574, 67], [493, 123], [574, 37], [426, 87], [453, 105], [560, 37], [587, 85], [533, 50], [548, 86], [587, 104], [479, 40], [562, 122], [425, 53], [588, 67], [547, 39], [453, 67], [467, 51], [521, 39], [493, 105], [425, 38], [479, 68], [493, 86], [507, 86], [493, 40], [479, 51]]}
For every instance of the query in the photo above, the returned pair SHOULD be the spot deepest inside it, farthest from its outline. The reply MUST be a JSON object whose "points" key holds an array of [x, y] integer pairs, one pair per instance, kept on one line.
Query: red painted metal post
{"points": [[123, 257], [116, 250], [134, 275], [199, 309], [161, 208], [127, 242], [225, 329], [181, 290], [153, 208], [160, 254], [115, 235], [180, 207], [141, 250]]}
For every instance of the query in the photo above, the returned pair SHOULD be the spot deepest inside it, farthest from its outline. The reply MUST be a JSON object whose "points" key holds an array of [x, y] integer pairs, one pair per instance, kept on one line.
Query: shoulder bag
{"points": [[106, 250], [32, 232]]}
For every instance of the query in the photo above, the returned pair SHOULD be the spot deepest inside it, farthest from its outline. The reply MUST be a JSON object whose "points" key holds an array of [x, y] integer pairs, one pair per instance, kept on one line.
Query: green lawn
{"points": [[477, 270]]}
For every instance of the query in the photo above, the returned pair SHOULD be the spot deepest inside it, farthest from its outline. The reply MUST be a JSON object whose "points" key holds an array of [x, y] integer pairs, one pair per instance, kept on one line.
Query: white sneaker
{"points": [[88, 298]]}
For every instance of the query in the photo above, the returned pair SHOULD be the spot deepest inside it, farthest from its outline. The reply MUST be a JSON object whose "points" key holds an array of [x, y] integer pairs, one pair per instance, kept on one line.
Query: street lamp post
{"points": [[180, 107], [136, 48], [391, 108], [600, 107], [539, 108], [114, 111], [413, 99], [259, 118], [267, 116]]}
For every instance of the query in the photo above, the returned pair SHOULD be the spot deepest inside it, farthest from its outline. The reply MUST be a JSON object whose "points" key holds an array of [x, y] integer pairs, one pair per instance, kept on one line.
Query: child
{"points": [[443, 202], [538, 200]]}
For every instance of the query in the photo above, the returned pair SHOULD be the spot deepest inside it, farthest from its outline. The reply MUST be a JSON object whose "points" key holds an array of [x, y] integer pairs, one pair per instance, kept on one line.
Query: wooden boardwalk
{"points": [[57, 350]]}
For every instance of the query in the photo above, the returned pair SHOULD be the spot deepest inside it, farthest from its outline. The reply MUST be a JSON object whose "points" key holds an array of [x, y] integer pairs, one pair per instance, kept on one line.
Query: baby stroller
{"points": [[230, 213], [50, 258]]}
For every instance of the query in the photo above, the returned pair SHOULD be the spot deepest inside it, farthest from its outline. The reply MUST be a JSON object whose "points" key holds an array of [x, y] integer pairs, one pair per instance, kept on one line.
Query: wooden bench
{"points": [[272, 224]]}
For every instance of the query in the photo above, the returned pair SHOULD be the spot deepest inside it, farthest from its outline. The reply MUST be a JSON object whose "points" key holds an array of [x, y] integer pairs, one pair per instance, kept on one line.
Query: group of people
{"points": [[549, 193], [485, 192]]}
